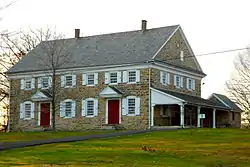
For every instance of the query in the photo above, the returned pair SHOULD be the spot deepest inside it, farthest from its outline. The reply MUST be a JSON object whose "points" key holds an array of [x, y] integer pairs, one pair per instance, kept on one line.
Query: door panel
{"points": [[113, 111], [45, 114]]}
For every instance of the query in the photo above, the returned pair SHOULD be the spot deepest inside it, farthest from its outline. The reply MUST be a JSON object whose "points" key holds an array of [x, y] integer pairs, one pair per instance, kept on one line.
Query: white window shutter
{"points": [[138, 76], [21, 110], [124, 106], [22, 84], [96, 78], [106, 78], [73, 109], [50, 81], [168, 78], [83, 108], [181, 81], [32, 110], [84, 79], [125, 76], [187, 83], [161, 77], [175, 80], [119, 77], [62, 111], [73, 80], [32, 83], [193, 84], [62, 81], [137, 106], [39, 82], [96, 107]]}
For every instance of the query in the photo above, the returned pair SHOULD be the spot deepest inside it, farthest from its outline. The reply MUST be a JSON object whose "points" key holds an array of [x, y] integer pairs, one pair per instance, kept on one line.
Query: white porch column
{"points": [[182, 115], [198, 117], [214, 118], [152, 114]]}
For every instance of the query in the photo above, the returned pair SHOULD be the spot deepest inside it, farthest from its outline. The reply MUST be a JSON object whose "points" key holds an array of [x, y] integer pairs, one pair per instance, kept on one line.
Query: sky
{"points": [[209, 25]]}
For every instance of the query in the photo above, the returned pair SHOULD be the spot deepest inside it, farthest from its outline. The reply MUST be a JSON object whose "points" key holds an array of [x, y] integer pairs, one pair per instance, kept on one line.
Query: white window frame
{"points": [[182, 55], [23, 109], [63, 81], [87, 79], [110, 78], [73, 108], [165, 77], [24, 83], [180, 81], [85, 107], [128, 99], [40, 82], [66, 80], [135, 77], [192, 84], [125, 106]]}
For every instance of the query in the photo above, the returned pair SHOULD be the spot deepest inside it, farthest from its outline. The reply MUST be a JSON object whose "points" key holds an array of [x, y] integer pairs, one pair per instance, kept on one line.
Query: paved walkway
{"points": [[21, 144]]}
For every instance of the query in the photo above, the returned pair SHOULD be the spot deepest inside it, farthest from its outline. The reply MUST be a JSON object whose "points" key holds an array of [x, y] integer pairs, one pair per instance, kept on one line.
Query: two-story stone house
{"points": [[138, 80]]}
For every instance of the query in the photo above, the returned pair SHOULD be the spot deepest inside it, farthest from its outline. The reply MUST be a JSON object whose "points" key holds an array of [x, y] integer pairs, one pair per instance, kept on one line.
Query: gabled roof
{"points": [[108, 49], [195, 100], [224, 100]]}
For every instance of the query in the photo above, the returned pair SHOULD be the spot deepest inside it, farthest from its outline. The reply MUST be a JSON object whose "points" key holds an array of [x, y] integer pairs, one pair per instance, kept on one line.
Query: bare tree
{"points": [[54, 55], [13, 47], [239, 85]]}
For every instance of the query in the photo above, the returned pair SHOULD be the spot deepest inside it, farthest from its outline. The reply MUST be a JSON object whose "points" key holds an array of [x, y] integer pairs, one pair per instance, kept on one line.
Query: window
{"points": [[190, 84], [165, 77], [233, 116], [182, 55], [178, 81], [90, 108], [131, 76], [68, 109], [45, 82], [68, 80], [90, 79], [131, 106], [28, 84], [27, 110], [113, 77]]}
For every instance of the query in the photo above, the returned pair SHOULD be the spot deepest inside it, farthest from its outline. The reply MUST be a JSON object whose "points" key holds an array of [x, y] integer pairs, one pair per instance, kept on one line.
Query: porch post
{"points": [[198, 117], [214, 118], [152, 114], [182, 115]]}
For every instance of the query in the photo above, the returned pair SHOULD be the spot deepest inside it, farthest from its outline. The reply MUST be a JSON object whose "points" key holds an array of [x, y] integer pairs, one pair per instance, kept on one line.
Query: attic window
{"points": [[182, 55]]}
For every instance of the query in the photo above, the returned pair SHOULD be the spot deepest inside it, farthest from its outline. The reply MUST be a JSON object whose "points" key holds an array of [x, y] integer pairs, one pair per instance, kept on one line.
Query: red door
{"points": [[113, 112], [45, 114]]}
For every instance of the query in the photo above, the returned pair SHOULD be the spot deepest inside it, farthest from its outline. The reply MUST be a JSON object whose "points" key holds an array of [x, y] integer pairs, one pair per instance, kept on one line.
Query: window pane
{"points": [[90, 107], [90, 79], [189, 84], [45, 82], [28, 84], [27, 111], [131, 106], [68, 107], [178, 82], [131, 76], [68, 80], [113, 77]]}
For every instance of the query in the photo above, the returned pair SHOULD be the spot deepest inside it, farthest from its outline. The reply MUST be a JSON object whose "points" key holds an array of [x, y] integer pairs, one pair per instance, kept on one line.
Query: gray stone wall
{"points": [[79, 93]]}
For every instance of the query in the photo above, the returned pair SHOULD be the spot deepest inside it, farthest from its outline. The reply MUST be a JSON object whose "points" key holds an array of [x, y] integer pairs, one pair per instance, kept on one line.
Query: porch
{"points": [[170, 109]]}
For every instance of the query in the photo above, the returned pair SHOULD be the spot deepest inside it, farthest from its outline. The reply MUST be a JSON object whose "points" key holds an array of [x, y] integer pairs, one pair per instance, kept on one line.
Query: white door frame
{"points": [[39, 112], [106, 120]]}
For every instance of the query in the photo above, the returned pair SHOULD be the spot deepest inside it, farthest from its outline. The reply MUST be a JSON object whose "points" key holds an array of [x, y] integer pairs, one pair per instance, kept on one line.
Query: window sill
{"points": [[90, 85], [69, 87], [27, 89], [90, 116], [131, 115], [67, 117], [113, 83], [27, 118], [191, 89], [131, 82], [45, 88]]}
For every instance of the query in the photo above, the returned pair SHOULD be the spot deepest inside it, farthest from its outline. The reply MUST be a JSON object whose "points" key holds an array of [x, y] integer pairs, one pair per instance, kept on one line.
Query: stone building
{"points": [[137, 80]]}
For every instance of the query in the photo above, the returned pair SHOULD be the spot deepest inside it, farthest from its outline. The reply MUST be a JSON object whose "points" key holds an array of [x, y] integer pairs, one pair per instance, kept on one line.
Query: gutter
{"points": [[149, 93]]}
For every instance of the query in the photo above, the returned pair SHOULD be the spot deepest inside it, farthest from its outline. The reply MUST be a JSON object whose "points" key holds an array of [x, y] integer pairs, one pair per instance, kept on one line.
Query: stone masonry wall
{"points": [[155, 82], [79, 93], [171, 52]]}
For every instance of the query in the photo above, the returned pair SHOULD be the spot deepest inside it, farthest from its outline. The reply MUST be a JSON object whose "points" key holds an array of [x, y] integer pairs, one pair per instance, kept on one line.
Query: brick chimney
{"points": [[77, 33], [144, 25]]}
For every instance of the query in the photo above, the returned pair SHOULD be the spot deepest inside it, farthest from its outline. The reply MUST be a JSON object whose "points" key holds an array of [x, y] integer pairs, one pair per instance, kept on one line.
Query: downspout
{"points": [[8, 115], [149, 94]]}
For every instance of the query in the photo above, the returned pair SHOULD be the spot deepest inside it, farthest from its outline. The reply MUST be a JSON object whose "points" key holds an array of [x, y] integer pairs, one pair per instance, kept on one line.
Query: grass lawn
{"points": [[25, 136], [183, 148]]}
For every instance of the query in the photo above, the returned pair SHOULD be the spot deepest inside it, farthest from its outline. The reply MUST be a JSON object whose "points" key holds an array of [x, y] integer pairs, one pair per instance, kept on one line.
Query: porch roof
{"points": [[194, 100]]}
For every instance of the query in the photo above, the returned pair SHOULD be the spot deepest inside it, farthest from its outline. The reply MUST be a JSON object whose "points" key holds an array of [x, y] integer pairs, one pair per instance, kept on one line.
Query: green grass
{"points": [[25, 136], [183, 148]]}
